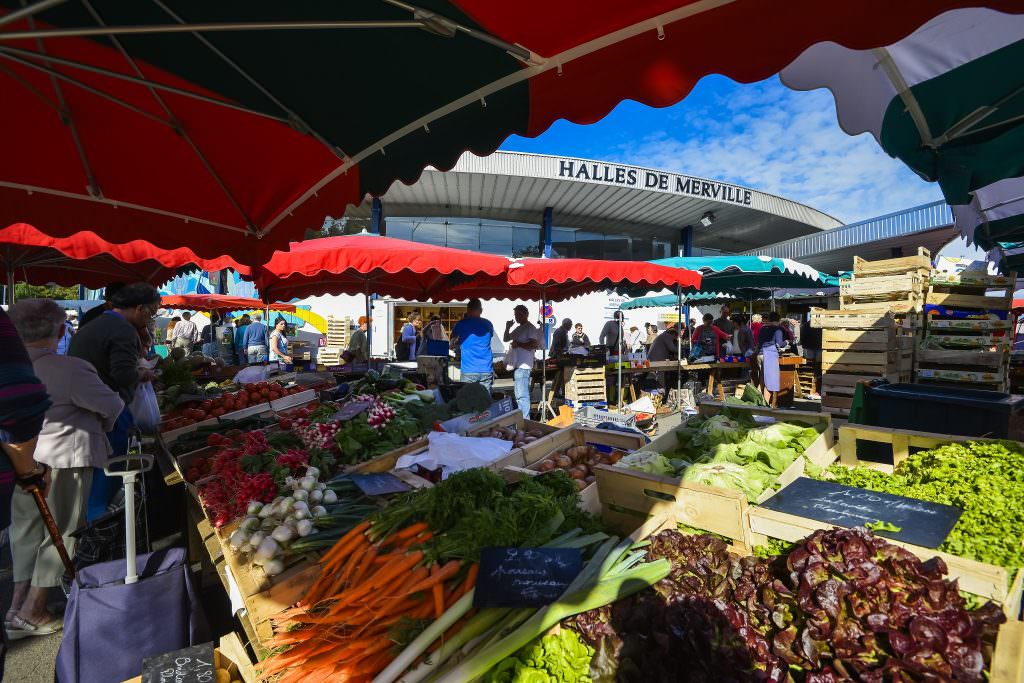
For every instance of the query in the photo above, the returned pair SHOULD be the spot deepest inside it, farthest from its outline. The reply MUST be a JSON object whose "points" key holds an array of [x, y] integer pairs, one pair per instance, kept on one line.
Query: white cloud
{"points": [[787, 143]]}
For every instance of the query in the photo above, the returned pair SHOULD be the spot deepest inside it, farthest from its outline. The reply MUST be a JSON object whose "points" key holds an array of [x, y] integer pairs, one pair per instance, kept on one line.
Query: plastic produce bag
{"points": [[145, 409]]}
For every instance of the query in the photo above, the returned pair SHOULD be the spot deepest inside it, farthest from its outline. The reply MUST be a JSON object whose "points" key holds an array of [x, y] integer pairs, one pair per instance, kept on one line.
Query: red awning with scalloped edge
{"points": [[27, 254], [218, 302]]}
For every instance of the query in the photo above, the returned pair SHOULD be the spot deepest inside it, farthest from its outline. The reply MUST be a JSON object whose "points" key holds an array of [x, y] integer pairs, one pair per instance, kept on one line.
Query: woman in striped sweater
{"points": [[23, 403]]}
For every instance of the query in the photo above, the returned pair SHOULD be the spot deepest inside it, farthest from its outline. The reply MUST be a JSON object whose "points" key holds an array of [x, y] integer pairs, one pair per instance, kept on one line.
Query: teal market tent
{"points": [[671, 300], [740, 274]]}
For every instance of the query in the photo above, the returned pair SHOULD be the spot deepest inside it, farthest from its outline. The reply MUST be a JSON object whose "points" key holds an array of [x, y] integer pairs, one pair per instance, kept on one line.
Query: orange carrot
{"points": [[409, 531], [438, 592], [450, 569], [354, 532], [364, 566]]}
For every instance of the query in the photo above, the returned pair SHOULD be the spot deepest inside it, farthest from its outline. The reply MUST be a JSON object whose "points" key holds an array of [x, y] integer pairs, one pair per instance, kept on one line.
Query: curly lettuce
{"points": [[648, 461]]}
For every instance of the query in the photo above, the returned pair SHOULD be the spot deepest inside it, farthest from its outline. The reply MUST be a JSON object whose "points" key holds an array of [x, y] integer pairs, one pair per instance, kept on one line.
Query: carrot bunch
{"points": [[339, 630]]}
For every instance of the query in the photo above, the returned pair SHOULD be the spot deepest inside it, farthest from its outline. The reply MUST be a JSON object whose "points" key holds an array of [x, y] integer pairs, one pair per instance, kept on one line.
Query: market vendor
{"points": [[358, 345], [666, 346], [525, 341], [560, 339], [771, 339], [707, 339], [579, 340], [472, 335], [279, 344]]}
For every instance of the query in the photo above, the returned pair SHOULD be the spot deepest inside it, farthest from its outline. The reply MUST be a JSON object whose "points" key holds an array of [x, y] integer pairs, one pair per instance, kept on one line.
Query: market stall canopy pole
{"points": [[954, 115], [97, 93]]}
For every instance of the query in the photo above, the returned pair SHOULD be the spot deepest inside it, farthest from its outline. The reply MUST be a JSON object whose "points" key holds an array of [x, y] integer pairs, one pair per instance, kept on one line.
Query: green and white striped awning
{"points": [[947, 100]]}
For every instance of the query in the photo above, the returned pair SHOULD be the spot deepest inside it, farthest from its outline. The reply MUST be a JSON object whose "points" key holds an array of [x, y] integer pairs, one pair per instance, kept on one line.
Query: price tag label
{"points": [[904, 519], [379, 483], [525, 577], [194, 664]]}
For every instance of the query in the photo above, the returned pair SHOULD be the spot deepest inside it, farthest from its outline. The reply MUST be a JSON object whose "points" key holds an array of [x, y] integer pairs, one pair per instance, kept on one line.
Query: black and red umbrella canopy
{"points": [[232, 127]]}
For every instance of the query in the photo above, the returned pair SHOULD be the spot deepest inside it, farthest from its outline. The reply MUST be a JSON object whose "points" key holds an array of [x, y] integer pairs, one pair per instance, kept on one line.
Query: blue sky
{"points": [[761, 135]]}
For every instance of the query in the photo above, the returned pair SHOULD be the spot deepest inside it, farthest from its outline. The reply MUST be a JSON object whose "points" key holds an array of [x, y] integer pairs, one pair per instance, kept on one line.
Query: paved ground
{"points": [[29, 660]]}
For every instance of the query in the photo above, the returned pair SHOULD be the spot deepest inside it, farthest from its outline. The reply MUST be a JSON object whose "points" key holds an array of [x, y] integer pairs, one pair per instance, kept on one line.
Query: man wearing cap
{"points": [[358, 345], [525, 340]]}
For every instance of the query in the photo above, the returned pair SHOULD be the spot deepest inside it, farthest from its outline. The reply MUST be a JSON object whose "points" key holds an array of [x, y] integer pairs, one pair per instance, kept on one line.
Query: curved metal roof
{"points": [[928, 225], [602, 196]]}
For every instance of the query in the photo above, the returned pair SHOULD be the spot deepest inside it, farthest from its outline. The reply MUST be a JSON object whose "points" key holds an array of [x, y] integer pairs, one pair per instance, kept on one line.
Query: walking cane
{"points": [[51, 526]]}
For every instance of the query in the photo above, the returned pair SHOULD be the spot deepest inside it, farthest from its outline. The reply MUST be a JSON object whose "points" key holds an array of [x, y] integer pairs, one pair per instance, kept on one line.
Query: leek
{"points": [[478, 626], [599, 584]]}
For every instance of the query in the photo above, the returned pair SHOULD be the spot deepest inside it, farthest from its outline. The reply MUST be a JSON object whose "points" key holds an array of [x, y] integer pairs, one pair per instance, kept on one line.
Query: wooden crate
{"points": [[338, 331], [970, 325], [996, 583], [513, 419], [970, 290], [852, 320], [527, 458], [882, 289], [1008, 657], [329, 355], [961, 377], [918, 262], [628, 496], [585, 384], [964, 357]]}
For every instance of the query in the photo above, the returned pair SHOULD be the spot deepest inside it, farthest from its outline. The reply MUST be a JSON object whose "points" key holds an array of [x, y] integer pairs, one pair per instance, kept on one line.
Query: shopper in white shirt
{"points": [[525, 340], [185, 333]]}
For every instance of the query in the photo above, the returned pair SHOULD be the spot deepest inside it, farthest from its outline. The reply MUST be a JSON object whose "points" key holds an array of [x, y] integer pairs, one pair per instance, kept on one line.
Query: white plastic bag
{"points": [[145, 408]]}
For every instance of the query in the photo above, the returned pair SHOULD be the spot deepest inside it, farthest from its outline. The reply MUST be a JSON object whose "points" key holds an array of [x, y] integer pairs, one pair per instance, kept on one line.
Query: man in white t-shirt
{"points": [[525, 340]]}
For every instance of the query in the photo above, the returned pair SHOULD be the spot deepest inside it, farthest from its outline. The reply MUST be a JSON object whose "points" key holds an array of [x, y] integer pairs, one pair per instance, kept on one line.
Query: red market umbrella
{"points": [[231, 128], [365, 264], [218, 302], [28, 254], [558, 279]]}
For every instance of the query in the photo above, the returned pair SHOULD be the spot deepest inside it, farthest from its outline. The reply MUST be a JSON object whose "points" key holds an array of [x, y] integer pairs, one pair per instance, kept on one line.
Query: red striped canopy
{"points": [[558, 279], [365, 264], [27, 254], [218, 302]]}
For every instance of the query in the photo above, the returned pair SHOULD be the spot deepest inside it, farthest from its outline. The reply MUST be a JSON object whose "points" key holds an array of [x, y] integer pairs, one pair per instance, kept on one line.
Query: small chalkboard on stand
{"points": [[379, 483], [909, 520], [194, 664], [525, 577]]}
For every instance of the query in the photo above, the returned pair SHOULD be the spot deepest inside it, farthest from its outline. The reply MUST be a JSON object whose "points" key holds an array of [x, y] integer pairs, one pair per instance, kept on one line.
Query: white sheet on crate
{"points": [[643, 405], [454, 453]]}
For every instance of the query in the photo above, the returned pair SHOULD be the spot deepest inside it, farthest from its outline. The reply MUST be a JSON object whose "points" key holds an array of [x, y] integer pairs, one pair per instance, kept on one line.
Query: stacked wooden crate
{"points": [[876, 330], [862, 345], [337, 341], [968, 331], [585, 386]]}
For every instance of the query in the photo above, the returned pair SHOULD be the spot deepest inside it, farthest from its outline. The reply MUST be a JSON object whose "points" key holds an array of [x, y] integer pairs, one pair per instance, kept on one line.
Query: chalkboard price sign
{"points": [[379, 483], [194, 664], [525, 577], [904, 519]]}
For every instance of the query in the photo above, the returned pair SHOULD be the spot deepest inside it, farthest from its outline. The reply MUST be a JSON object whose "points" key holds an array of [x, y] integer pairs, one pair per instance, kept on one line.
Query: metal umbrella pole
{"points": [[369, 323], [543, 405], [618, 362], [679, 349]]}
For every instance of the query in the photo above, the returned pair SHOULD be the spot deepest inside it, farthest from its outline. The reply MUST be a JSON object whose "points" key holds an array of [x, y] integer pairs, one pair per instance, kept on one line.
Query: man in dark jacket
{"points": [[111, 343], [96, 311]]}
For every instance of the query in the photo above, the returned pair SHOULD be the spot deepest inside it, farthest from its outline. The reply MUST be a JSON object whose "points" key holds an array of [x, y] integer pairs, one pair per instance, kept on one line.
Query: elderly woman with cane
{"points": [[72, 442]]}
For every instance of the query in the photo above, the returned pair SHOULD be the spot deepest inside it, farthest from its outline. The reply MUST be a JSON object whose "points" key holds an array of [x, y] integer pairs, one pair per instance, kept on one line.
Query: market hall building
{"points": [[519, 204]]}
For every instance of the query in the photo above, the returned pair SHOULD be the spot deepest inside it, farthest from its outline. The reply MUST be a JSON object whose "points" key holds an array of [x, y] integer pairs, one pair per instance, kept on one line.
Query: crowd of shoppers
{"points": [[61, 418]]}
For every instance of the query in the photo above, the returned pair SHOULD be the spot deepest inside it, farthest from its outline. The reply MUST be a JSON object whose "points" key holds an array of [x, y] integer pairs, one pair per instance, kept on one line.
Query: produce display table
{"points": [[714, 372]]}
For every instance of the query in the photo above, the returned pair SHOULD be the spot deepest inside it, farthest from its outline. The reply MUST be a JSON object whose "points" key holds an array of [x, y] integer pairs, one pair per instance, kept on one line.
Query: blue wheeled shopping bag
{"points": [[123, 611], [110, 626]]}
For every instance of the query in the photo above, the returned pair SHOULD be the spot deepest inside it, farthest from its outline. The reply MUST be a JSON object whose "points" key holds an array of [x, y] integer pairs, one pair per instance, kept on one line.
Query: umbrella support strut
{"points": [[543, 407]]}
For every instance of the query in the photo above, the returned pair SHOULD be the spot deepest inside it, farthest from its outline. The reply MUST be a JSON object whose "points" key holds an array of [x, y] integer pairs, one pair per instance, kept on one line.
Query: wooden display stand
{"points": [[972, 352], [628, 497], [995, 583], [585, 385]]}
